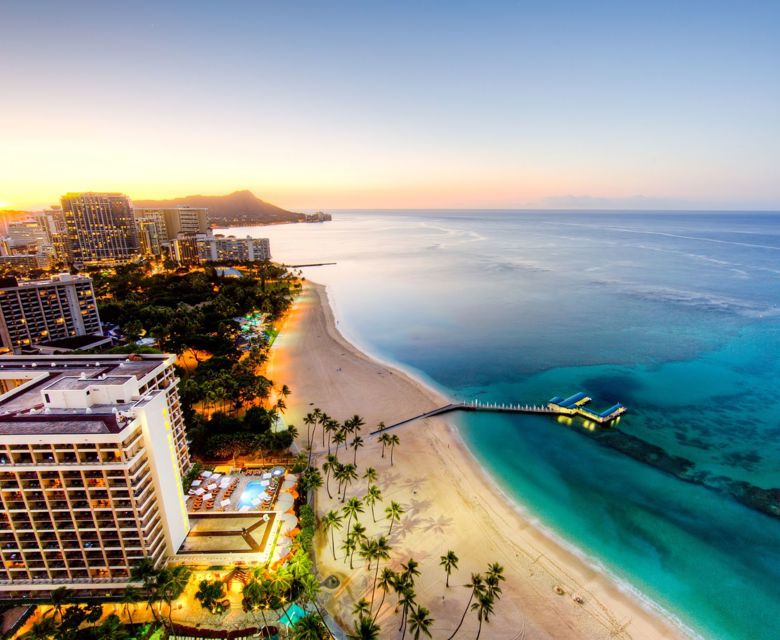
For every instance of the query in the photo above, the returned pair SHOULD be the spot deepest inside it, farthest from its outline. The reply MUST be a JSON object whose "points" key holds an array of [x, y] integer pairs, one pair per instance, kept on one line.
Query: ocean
{"points": [[676, 315]]}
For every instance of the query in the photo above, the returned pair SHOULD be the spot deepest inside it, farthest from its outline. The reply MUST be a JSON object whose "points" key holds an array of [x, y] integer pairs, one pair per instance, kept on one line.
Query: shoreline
{"points": [[461, 505]]}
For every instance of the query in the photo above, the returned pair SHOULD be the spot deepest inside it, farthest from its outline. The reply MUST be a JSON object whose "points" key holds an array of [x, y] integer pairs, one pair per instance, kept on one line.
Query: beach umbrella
{"points": [[289, 521], [224, 503], [284, 501], [288, 484], [205, 474], [199, 492], [292, 476], [196, 483], [208, 496], [212, 486], [214, 476], [266, 476]]}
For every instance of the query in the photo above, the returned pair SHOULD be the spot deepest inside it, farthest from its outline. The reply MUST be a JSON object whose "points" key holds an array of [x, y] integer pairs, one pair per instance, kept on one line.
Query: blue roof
{"points": [[606, 412], [556, 399], [572, 399]]}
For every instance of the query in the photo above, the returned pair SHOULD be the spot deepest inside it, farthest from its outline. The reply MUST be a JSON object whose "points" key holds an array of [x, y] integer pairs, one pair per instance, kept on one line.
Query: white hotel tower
{"points": [[92, 450]]}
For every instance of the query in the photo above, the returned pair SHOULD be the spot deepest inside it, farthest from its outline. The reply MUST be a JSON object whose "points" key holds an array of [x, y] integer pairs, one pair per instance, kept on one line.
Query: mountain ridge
{"points": [[239, 207]]}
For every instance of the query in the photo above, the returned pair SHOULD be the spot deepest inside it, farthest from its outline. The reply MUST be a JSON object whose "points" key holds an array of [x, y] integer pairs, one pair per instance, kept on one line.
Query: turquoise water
{"points": [[675, 315], [252, 489]]}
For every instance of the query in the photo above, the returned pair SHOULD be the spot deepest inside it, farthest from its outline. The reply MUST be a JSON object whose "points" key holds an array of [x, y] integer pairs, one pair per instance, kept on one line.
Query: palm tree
{"points": [[171, 582], [449, 562], [349, 474], [393, 513], [493, 579], [484, 608], [130, 596], [356, 444], [339, 438], [380, 550], [329, 466], [393, 441], [329, 426], [59, 598], [309, 627], [407, 602], [44, 629], [351, 509], [311, 479], [111, 629], [146, 573], [339, 473], [210, 594], [365, 629], [331, 520], [361, 608], [420, 622], [383, 439], [477, 587], [372, 496], [349, 546], [254, 598], [370, 475], [386, 581], [308, 420]]}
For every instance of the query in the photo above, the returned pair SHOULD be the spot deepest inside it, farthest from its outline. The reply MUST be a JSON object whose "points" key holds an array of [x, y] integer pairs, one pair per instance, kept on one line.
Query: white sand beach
{"points": [[450, 504]]}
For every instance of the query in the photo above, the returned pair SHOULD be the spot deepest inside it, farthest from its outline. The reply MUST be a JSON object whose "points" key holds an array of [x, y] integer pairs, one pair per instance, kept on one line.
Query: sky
{"points": [[323, 105]]}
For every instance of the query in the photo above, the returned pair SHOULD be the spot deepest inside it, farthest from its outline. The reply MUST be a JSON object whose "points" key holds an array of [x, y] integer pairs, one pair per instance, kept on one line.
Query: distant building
{"points": [[219, 248], [24, 261], [27, 233], [184, 248], [92, 454], [318, 217], [100, 228], [39, 311], [207, 247], [149, 237]]}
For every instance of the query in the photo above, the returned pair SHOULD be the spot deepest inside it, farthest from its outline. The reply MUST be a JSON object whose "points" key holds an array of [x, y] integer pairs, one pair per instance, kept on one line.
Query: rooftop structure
{"points": [[92, 451]]}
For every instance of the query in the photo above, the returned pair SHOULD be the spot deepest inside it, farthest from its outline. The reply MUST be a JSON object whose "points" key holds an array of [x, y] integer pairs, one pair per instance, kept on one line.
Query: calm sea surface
{"points": [[675, 315]]}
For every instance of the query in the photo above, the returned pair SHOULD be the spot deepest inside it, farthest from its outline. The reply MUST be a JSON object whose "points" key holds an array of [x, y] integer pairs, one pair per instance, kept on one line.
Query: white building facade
{"points": [[92, 454]]}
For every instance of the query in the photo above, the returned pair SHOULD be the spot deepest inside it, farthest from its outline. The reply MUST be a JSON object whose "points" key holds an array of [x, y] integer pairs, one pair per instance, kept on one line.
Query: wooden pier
{"points": [[550, 409]]}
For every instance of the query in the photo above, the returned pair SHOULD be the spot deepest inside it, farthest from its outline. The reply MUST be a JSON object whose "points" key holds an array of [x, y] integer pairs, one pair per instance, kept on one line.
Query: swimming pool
{"points": [[251, 492]]}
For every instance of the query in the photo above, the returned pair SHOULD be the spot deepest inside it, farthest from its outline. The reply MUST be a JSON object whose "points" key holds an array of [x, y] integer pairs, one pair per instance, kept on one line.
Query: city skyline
{"points": [[353, 106]]}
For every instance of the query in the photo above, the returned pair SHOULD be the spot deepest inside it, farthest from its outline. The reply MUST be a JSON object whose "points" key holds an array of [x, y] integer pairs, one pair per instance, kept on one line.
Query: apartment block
{"points": [[92, 453], [36, 311], [101, 229]]}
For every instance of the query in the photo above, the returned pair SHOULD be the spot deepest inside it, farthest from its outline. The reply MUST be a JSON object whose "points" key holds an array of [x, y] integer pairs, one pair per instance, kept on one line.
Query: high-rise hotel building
{"points": [[92, 453], [159, 226], [101, 229], [38, 311]]}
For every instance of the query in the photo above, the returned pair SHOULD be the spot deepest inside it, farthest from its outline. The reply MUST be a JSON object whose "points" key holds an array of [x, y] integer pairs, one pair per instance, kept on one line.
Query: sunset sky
{"points": [[394, 104]]}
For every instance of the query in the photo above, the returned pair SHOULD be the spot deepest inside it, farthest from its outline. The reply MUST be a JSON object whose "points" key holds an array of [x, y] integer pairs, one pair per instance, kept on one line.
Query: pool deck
{"points": [[237, 483]]}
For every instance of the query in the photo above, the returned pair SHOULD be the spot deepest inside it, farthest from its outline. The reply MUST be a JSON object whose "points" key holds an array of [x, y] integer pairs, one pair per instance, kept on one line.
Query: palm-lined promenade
{"points": [[448, 504]]}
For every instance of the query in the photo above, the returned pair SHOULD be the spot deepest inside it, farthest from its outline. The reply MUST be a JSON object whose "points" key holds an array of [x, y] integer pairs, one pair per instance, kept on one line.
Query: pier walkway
{"points": [[474, 406]]}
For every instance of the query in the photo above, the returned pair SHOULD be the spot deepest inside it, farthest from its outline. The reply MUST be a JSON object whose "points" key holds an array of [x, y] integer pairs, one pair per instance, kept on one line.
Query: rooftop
{"points": [[22, 407]]}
